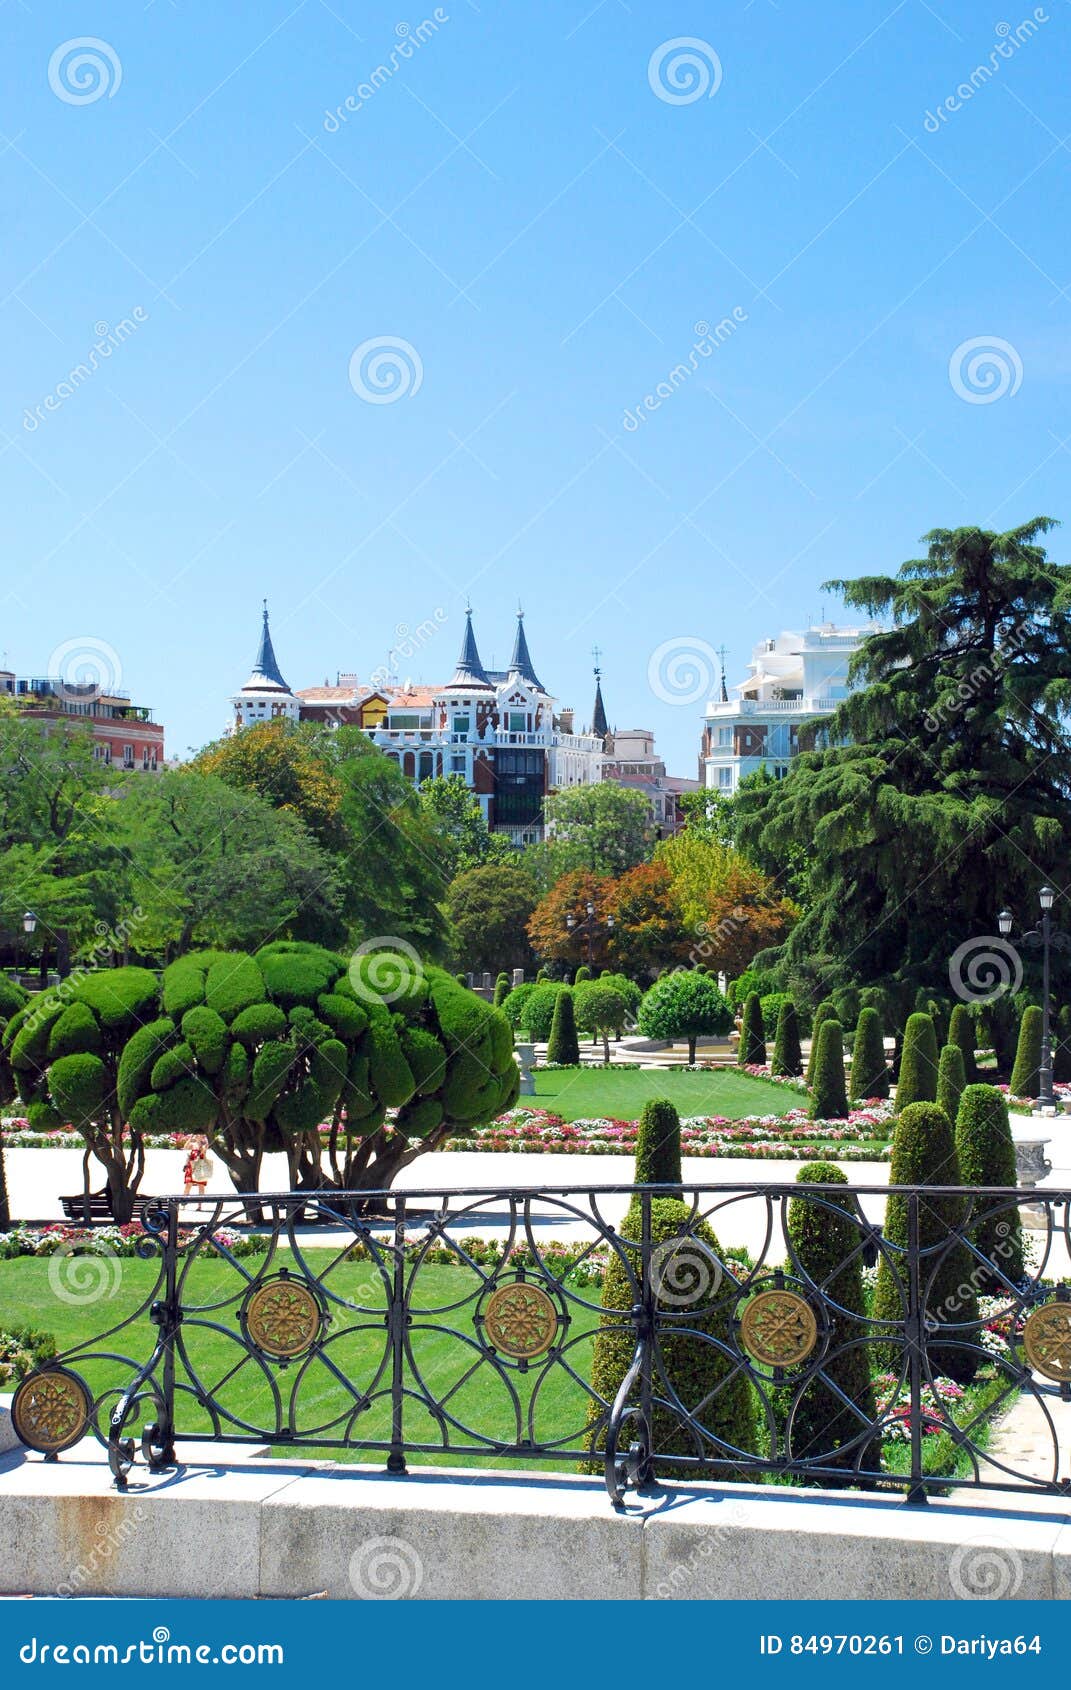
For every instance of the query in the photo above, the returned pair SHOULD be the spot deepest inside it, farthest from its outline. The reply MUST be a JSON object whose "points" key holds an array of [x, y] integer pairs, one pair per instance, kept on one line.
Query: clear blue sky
{"points": [[517, 204]]}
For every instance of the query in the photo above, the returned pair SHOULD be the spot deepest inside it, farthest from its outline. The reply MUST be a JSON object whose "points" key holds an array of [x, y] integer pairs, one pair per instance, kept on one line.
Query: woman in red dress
{"points": [[196, 1149]]}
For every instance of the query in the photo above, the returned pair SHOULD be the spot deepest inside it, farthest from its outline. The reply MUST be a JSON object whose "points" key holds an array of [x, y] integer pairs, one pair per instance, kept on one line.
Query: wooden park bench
{"points": [[99, 1209]]}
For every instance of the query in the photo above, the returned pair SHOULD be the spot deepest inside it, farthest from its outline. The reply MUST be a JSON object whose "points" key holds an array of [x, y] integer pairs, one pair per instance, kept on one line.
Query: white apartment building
{"points": [[794, 678]]}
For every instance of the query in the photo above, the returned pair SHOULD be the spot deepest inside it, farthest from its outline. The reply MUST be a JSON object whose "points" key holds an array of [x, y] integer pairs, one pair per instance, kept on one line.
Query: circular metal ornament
{"points": [[520, 1320], [50, 1410], [779, 1328], [282, 1318], [1047, 1341]]}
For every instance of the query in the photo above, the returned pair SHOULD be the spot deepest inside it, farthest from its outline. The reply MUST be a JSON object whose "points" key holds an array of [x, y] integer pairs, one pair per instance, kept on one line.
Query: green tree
{"points": [[684, 1005], [826, 1011], [602, 828], [924, 1153], [1061, 1049], [787, 1056], [917, 1078], [826, 1419], [455, 818], [870, 1071], [563, 1045], [961, 1032], [943, 773], [1025, 1078], [951, 1079], [658, 1144], [502, 990], [489, 909], [602, 1007], [12, 1000], [985, 1153], [752, 1047], [829, 1097]]}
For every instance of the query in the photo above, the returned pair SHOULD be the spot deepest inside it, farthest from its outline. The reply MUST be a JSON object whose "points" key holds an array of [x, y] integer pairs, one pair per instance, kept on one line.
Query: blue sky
{"points": [[519, 205]]}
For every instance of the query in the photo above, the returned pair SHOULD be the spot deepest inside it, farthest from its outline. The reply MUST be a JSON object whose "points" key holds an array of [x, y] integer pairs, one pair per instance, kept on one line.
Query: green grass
{"points": [[621, 1093]]}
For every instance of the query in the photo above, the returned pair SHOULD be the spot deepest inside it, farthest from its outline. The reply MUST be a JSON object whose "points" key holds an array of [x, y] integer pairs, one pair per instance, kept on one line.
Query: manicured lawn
{"points": [[621, 1093]]}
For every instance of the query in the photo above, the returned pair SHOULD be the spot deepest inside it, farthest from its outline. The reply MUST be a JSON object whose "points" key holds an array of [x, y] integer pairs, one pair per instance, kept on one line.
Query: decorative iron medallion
{"points": [[520, 1320], [283, 1318], [779, 1329], [50, 1410], [1047, 1341]]}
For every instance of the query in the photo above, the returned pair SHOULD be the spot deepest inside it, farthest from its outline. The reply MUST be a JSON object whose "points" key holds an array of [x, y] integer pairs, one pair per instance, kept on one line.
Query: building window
{"points": [[461, 724], [128, 756], [457, 765], [725, 777], [725, 736], [780, 771], [518, 722]]}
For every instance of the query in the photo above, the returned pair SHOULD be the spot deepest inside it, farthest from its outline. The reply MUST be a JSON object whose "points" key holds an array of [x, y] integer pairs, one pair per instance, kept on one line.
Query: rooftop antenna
{"points": [[721, 655]]}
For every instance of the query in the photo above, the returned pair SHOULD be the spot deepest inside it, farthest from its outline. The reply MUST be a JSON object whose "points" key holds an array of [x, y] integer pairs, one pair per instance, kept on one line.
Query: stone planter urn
{"points": [[525, 1055], [1031, 1165]]}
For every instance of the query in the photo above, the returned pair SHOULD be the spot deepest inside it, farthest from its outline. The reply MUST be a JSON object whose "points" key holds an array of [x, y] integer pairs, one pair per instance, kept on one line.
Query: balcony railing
{"points": [[821, 706]]}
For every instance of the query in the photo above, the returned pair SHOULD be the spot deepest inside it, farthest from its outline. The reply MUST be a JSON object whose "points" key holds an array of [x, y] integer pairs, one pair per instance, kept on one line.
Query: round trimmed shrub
{"points": [[961, 1032], [917, 1079], [1026, 1074], [787, 1055], [824, 1249], [824, 1012], [752, 1047], [563, 1045], [870, 1071], [986, 1156], [924, 1153], [951, 1079], [702, 1374], [829, 1096], [76, 1030], [539, 1011], [658, 1144]]}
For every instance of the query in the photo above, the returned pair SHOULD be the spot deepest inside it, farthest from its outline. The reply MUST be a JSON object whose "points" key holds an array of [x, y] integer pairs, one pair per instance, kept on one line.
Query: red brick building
{"points": [[125, 736]]}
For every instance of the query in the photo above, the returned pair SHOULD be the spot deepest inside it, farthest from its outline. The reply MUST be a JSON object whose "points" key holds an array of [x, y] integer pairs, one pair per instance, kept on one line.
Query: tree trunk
{"points": [[691, 1048], [606, 1049]]}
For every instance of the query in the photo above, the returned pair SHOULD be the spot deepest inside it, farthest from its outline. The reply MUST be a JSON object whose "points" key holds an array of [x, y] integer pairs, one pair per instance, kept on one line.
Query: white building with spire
{"points": [[265, 696]]}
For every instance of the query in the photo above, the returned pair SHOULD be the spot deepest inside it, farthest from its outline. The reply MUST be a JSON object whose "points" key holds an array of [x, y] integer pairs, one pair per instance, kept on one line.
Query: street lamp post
{"points": [[1046, 934], [29, 924], [589, 927]]}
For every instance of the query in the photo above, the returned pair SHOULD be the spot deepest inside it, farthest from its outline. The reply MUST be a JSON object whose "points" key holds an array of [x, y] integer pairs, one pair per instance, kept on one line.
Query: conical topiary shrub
{"points": [[1061, 1050], [917, 1081], [703, 1375], [870, 1071], [986, 1156], [961, 1032], [1025, 1076], [658, 1144], [563, 1046], [951, 1079], [823, 1248], [829, 1096], [752, 1048], [924, 1153], [582, 973], [787, 1056], [824, 1012], [502, 990]]}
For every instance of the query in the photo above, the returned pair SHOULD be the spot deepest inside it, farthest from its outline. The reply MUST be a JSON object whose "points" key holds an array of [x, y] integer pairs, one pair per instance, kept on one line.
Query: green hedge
{"points": [[986, 1156], [787, 1055], [829, 1097], [917, 1079], [1025, 1077], [870, 1071]]}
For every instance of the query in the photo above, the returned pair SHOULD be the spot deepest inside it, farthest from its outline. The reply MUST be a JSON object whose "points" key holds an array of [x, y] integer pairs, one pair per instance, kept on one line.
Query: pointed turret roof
{"points": [[470, 672], [599, 724], [266, 675], [521, 662]]}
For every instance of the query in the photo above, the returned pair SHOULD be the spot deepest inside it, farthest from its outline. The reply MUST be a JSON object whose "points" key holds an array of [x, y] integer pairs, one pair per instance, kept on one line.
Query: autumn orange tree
{"points": [[730, 910], [649, 931], [548, 929]]}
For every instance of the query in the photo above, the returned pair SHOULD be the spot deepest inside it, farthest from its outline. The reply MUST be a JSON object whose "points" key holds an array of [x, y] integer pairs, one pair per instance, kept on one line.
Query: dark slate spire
{"points": [[724, 693], [599, 724], [266, 672], [470, 671], [521, 662]]}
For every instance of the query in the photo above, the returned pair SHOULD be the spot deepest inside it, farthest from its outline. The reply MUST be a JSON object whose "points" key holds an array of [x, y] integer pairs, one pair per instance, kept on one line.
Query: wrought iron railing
{"points": [[620, 1329]]}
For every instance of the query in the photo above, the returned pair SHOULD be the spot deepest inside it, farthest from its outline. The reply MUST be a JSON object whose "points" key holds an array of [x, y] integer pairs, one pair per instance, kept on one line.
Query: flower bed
{"points": [[128, 1240], [786, 1137]]}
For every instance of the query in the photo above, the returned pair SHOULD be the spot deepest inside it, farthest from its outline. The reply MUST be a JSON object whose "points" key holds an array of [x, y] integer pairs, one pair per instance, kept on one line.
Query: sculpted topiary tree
{"points": [[917, 1079], [986, 1156], [1061, 1047], [829, 1095], [65, 1048], [825, 1012], [961, 1032], [752, 1048], [951, 1079], [787, 1056], [603, 1007], [684, 1005], [658, 1144], [12, 999], [1025, 1077], [924, 1153], [690, 1284], [824, 1249], [563, 1045], [870, 1071], [291, 1038], [502, 986]]}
